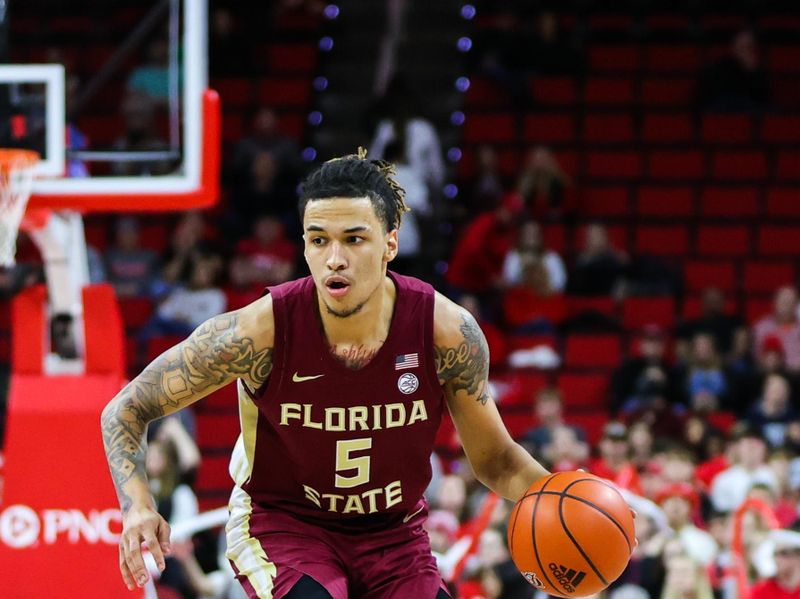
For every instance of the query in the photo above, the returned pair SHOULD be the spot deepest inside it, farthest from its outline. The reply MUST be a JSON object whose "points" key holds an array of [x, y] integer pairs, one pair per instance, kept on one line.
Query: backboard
{"points": [[79, 89]]}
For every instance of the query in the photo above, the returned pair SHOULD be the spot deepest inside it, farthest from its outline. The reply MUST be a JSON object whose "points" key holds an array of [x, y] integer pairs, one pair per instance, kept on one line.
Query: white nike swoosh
{"points": [[299, 379], [407, 518]]}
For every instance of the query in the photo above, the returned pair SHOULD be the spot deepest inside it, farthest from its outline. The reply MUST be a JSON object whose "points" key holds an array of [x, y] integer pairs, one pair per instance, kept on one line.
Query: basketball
{"points": [[571, 535]]}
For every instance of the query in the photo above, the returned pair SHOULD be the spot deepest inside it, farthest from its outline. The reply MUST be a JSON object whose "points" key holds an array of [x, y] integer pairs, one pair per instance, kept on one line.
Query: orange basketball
{"points": [[571, 535]]}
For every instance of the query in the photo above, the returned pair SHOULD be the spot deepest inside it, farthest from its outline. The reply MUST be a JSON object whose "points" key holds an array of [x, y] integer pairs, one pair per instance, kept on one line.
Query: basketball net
{"points": [[16, 177]]}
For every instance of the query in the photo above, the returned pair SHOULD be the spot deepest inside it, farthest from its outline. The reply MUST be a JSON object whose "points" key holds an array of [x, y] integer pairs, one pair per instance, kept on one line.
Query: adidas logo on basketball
{"points": [[568, 578]]}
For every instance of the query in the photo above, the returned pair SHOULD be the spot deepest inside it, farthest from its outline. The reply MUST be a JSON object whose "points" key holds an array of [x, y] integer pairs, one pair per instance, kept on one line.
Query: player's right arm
{"points": [[235, 345]]}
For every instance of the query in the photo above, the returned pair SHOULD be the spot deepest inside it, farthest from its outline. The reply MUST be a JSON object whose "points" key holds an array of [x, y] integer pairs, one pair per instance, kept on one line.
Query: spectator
{"points": [[544, 186], [228, 47], [786, 582], [566, 451], [640, 378], [713, 320], [187, 245], [487, 186], [550, 416], [401, 121], [704, 383], [784, 325], [614, 461], [640, 437], [477, 259], [530, 246], [681, 503], [736, 81], [152, 78], [773, 412], [132, 269], [268, 256], [685, 578], [534, 306], [139, 115], [411, 248], [599, 267], [730, 487]]}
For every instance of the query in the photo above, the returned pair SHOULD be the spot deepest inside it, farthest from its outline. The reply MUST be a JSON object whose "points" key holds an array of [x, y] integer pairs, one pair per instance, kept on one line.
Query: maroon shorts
{"points": [[392, 563]]}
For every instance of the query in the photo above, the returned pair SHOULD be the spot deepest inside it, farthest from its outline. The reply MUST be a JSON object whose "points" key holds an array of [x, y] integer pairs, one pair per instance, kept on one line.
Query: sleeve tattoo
{"points": [[212, 356], [466, 367]]}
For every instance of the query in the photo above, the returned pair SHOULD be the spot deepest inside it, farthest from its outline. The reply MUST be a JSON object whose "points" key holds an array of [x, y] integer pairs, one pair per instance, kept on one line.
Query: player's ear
{"points": [[391, 246]]}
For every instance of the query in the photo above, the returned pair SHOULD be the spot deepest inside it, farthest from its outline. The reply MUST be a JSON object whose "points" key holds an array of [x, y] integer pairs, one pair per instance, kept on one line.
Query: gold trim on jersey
{"points": [[241, 465], [246, 552]]}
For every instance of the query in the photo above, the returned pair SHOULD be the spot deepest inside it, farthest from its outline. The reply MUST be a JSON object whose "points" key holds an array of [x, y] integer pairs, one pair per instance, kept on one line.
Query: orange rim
{"points": [[11, 159]]}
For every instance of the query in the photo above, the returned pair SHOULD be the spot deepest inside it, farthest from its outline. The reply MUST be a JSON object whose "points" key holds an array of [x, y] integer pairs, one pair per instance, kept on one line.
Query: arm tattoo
{"points": [[466, 367], [212, 356]]}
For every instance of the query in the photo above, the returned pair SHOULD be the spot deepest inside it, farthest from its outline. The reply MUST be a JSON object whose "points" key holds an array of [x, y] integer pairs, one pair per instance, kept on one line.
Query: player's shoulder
{"points": [[451, 322]]}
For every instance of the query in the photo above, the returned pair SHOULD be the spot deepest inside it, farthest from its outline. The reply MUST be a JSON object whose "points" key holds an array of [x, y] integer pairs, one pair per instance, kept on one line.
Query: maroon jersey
{"points": [[334, 445]]}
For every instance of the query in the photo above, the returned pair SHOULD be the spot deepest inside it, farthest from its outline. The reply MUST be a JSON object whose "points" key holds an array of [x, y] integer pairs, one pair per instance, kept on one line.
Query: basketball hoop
{"points": [[16, 175]]}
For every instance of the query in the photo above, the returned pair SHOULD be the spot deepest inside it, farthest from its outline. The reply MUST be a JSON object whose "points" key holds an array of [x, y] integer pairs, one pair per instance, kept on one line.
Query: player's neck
{"points": [[368, 326]]}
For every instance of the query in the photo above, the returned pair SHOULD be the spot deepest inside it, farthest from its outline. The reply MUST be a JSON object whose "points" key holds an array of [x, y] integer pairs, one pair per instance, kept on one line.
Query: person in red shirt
{"points": [[786, 582], [614, 462]]}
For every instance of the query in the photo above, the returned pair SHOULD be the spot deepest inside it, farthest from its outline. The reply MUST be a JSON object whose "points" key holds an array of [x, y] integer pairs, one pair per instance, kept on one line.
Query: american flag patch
{"points": [[406, 361]]}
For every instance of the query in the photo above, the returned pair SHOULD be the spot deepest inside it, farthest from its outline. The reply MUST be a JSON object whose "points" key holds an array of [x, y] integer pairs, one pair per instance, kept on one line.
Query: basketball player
{"points": [[343, 377]]}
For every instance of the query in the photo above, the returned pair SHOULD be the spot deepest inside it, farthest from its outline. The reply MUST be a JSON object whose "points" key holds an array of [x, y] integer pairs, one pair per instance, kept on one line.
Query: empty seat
{"points": [[591, 422], [608, 128], [555, 237], [614, 58], [223, 399], [723, 241], [159, 344], [519, 387], [284, 92], [232, 127], [577, 305], [665, 202], [217, 430], [666, 58], [583, 390], [484, 92], [778, 240], [300, 58], [767, 276], [593, 351], [662, 241], [611, 164], [726, 165], [727, 128], [597, 201], [667, 128], [638, 312], [663, 92], [780, 128], [784, 59], [489, 128], [676, 164], [557, 91], [234, 92], [783, 201], [788, 166], [136, 311], [729, 202], [608, 91], [213, 474], [549, 127], [699, 274], [756, 308]]}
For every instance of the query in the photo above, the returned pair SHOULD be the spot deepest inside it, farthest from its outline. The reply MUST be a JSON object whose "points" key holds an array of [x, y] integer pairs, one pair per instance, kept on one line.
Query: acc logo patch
{"points": [[532, 580], [408, 383]]}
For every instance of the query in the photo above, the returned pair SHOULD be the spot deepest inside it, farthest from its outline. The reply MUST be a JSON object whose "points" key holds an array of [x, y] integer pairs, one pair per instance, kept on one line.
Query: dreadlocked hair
{"points": [[353, 176]]}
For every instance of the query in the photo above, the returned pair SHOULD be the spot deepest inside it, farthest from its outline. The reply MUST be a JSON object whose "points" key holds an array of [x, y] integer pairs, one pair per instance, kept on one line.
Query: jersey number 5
{"points": [[346, 461]]}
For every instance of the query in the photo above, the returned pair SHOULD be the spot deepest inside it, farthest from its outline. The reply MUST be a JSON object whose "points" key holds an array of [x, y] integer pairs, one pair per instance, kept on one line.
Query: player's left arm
{"points": [[462, 365]]}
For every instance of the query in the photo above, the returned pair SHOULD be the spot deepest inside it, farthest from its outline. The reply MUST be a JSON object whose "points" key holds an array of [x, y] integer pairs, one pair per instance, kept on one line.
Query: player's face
{"points": [[347, 249]]}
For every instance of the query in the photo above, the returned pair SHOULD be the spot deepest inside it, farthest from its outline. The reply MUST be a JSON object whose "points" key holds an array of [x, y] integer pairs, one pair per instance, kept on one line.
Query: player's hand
{"points": [[142, 525]]}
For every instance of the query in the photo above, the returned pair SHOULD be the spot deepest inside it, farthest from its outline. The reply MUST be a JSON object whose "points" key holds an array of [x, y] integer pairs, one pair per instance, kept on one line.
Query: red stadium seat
{"points": [[623, 59], [611, 164], [699, 275], [154, 236], [665, 202], [556, 91], [729, 202], [663, 58], [608, 91], [593, 351], [292, 58], [693, 307], [217, 430], [784, 59], [232, 127], [284, 92], [496, 128], [517, 423], [676, 164], [485, 93], [788, 166], [662, 241], [136, 311], [102, 130], [604, 201], [780, 128], [213, 474], [783, 201], [519, 387], [755, 308], [727, 128], [234, 92], [555, 238], [5, 315], [577, 305], [608, 128], [778, 241], [662, 92], [591, 422], [550, 128], [766, 277], [585, 391], [723, 241], [223, 399], [739, 165], [667, 128], [640, 311], [159, 344]]}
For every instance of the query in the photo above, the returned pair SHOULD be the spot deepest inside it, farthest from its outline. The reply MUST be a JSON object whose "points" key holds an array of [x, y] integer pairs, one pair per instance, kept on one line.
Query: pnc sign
{"points": [[22, 527]]}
